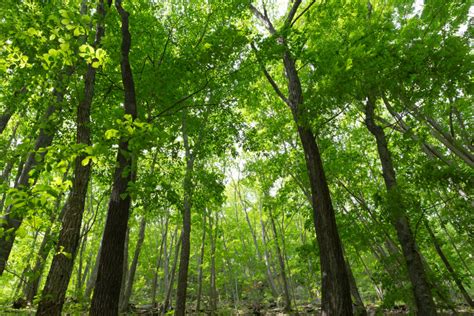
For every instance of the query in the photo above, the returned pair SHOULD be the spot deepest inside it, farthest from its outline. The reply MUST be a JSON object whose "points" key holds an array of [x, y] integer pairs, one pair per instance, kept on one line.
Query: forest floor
{"points": [[302, 310]]}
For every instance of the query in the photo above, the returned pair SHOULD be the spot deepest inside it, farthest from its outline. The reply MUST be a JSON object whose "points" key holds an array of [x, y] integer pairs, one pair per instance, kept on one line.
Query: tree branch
{"points": [[264, 18], [269, 77], [303, 12]]}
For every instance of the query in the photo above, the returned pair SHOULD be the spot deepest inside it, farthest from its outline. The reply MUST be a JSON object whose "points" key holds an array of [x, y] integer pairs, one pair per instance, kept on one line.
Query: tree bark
{"points": [[133, 266], [421, 288], [107, 290], [54, 291], [4, 119]]}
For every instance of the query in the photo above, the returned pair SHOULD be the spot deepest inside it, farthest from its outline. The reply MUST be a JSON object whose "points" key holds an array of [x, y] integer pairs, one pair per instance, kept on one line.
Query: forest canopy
{"points": [[236, 157]]}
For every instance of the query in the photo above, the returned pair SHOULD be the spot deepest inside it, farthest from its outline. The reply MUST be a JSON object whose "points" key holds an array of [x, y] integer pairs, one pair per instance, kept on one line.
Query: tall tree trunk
{"points": [[11, 222], [336, 296], [186, 238], [54, 291], [107, 290], [200, 264], [421, 288], [133, 266], [448, 266]]}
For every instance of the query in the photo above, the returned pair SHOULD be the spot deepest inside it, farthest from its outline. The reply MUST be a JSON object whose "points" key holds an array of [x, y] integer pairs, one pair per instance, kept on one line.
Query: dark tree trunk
{"points": [[4, 119], [448, 266], [107, 289], [54, 291], [336, 296], [186, 237], [11, 222], [421, 288], [133, 266]]}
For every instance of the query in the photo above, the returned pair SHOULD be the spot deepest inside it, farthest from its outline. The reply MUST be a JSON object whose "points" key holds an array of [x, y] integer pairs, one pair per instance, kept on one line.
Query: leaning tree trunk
{"points": [[109, 278], [448, 265], [421, 288], [54, 291]]}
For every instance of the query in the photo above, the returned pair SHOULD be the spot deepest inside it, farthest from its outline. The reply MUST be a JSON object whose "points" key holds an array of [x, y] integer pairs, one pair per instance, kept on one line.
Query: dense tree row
{"points": [[236, 156]]}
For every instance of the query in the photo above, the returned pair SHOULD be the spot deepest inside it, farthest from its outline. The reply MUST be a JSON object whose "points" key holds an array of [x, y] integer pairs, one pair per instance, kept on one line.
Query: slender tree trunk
{"points": [[31, 288], [281, 261], [11, 222], [448, 266], [213, 297], [267, 259], [107, 290], [154, 283], [200, 264], [421, 288], [173, 273], [133, 266], [93, 277]]}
